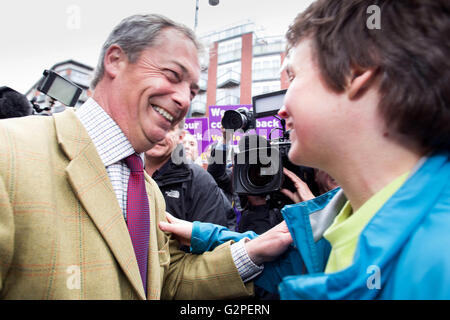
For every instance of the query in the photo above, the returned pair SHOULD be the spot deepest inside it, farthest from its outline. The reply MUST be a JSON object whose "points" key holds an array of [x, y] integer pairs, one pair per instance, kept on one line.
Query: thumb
{"points": [[170, 218], [176, 229], [166, 227]]}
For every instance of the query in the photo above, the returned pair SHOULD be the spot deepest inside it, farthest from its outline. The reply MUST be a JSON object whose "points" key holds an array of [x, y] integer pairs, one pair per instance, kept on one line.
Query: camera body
{"points": [[258, 165], [239, 119], [59, 88]]}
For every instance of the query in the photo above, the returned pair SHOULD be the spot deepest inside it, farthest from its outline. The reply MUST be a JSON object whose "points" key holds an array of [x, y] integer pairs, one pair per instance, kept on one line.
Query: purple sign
{"points": [[264, 126], [199, 128]]}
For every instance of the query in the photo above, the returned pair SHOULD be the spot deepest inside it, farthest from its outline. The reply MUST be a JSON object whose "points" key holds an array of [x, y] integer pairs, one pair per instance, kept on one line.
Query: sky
{"points": [[35, 35]]}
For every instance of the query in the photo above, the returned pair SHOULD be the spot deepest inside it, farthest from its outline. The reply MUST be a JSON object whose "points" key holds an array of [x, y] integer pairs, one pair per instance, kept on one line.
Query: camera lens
{"points": [[233, 120], [256, 176], [257, 171]]}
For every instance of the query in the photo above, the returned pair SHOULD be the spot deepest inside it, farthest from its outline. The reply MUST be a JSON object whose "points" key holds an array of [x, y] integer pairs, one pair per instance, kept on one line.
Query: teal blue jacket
{"points": [[402, 253]]}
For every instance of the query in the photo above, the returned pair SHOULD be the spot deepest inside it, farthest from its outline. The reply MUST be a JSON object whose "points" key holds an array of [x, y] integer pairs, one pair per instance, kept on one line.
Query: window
{"points": [[229, 50], [265, 87], [229, 74], [228, 96], [266, 68], [198, 105]]}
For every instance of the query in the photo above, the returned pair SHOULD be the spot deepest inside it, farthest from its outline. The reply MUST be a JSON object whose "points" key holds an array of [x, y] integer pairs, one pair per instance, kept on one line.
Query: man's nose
{"points": [[182, 96]]}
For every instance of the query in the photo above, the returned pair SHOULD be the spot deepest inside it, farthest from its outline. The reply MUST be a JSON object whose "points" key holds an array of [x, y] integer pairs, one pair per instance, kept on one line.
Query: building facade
{"points": [[238, 65]]}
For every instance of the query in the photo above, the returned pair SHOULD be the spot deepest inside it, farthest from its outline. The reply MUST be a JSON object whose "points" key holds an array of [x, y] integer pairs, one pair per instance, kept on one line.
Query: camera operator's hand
{"points": [[269, 245], [302, 194], [181, 229]]}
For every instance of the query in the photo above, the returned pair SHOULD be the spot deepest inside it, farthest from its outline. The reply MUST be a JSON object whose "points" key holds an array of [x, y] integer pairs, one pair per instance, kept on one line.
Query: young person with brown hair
{"points": [[371, 107]]}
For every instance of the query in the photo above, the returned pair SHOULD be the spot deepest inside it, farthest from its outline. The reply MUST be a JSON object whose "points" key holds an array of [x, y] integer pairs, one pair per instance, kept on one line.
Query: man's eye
{"points": [[173, 76]]}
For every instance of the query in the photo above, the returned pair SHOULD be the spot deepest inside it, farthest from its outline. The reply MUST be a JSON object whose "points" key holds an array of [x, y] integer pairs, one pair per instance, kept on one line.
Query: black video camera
{"points": [[57, 88], [258, 166]]}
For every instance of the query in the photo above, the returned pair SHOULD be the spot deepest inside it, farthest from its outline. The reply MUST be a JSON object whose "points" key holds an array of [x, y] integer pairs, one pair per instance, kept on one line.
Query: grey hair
{"points": [[137, 33]]}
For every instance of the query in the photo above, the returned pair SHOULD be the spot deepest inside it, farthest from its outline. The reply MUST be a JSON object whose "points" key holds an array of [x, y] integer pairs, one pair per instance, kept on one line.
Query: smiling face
{"points": [[155, 92], [162, 151], [190, 146], [312, 111]]}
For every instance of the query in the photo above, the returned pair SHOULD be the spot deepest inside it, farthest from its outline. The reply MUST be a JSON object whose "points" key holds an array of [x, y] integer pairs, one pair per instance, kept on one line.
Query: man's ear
{"points": [[359, 82], [114, 58]]}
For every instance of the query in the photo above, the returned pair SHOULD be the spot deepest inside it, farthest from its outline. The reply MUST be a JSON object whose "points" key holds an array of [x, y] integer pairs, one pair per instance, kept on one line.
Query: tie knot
{"points": [[134, 162]]}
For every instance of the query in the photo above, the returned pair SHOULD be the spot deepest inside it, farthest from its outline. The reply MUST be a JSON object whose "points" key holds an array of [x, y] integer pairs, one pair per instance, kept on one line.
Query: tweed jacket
{"points": [[63, 234]]}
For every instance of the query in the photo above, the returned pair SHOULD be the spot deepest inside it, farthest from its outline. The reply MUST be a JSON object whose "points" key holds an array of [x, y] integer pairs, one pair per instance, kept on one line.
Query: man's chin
{"points": [[156, 138]]}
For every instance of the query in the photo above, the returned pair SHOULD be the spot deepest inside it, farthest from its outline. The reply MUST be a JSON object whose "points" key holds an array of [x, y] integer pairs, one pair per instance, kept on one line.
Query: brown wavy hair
{"points": [[411, 53]]}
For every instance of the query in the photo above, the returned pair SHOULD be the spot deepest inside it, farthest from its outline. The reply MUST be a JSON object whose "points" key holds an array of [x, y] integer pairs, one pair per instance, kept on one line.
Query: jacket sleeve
{"points": [[288, 264], [180, 275], [207, 236], [211, 275]]}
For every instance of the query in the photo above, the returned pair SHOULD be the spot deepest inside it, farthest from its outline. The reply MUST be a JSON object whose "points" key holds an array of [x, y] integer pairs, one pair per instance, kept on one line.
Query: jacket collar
{"points": [[91, 184], [307, 221], [171, 173], [379, 243]]}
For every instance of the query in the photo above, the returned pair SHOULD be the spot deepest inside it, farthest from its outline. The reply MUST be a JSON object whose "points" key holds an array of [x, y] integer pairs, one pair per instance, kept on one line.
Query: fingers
{"points": [[303, 191], [291, 175], [166, 227], [170, 218], [270, 244], [180, 229], [174, 228], [177, 231], [295, 179], [291, 195]]}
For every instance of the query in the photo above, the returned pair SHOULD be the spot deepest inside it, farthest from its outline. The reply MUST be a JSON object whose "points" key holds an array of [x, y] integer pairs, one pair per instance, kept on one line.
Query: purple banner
{"points": [[198, 127], [209, 130], [263, 125]]}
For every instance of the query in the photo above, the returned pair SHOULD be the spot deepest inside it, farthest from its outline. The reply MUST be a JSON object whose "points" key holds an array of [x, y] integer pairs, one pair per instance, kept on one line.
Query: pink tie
{"points": [[138, 214]]}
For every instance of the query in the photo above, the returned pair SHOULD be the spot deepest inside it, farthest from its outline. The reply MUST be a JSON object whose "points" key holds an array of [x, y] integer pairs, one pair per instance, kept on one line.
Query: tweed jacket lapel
{"points": [[90, 182]]}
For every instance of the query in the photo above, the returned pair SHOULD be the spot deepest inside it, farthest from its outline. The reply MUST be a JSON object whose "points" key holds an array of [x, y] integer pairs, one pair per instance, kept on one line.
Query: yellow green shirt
{"points": [[344, 232]]}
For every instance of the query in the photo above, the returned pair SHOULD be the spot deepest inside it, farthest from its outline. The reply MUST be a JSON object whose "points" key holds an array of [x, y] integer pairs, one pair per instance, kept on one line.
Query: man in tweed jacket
{"points": [[63, 232]]}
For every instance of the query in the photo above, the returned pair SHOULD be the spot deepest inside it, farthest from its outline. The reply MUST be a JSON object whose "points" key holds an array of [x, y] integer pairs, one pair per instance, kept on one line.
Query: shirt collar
{"points": [[111, 143], [347, 226]]}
